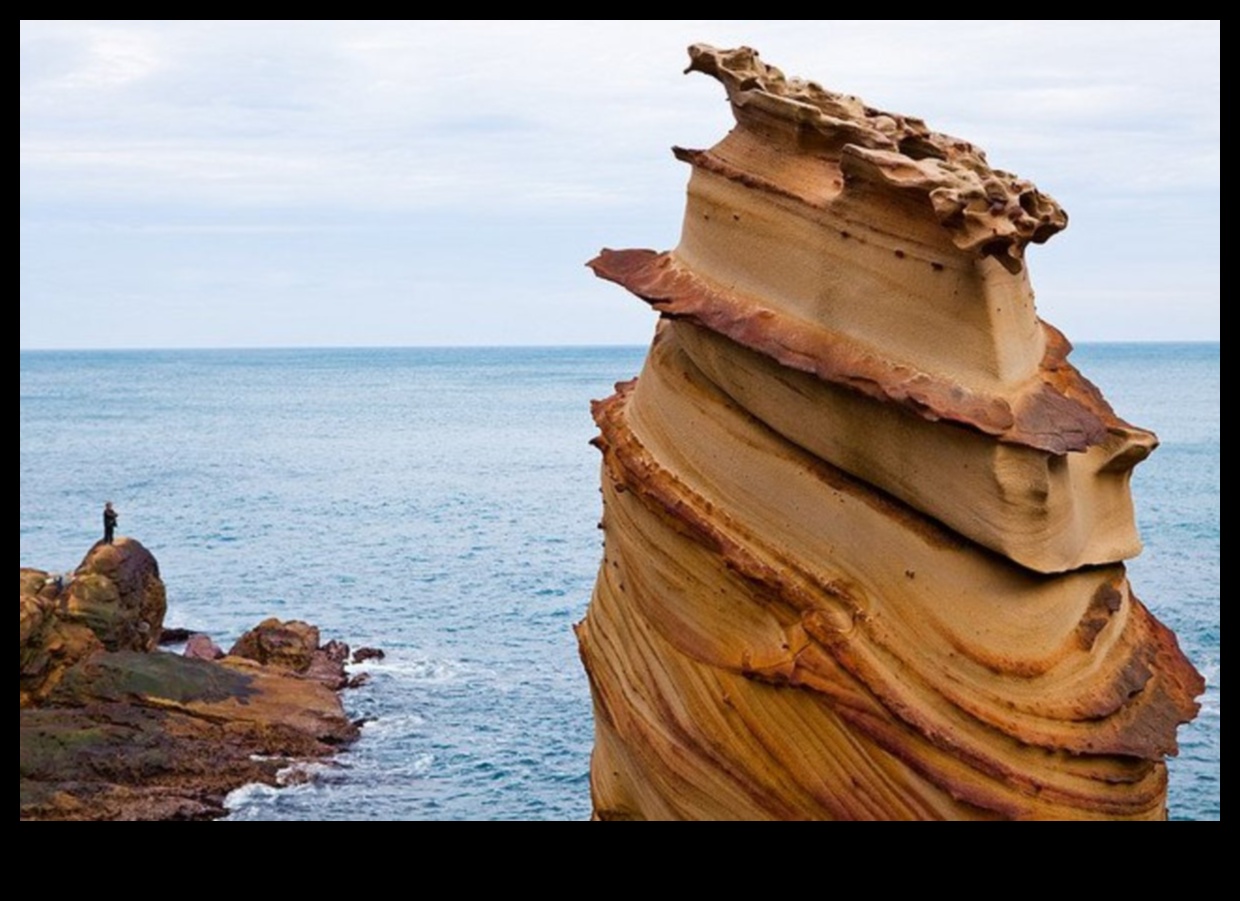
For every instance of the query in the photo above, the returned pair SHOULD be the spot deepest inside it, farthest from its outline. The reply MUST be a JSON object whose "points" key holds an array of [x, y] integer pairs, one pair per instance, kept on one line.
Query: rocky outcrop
{"points": [[864, 522], [199, 646], [117, 592], [48, 643], [294, 646], [114, 600], [284, 645], [361, 655], [111, 729]]}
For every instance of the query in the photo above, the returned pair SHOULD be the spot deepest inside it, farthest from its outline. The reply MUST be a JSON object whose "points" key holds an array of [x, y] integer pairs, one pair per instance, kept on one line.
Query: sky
{"points": [[406, 183]]}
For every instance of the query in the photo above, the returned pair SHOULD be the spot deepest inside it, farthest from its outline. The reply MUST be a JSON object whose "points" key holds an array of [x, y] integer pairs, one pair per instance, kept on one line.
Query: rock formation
{"points": [[113, 729], [117, 591], [864, 522]]}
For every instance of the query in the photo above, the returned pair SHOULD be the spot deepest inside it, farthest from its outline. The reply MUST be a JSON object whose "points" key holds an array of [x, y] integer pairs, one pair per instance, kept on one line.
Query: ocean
{"points": [[442, 504]]}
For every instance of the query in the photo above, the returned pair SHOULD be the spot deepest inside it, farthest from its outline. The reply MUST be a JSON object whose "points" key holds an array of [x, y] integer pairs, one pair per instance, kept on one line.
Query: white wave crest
{"points": [[431, 670], [302, 772], [422, 764], [250, 795], [397, 725]]}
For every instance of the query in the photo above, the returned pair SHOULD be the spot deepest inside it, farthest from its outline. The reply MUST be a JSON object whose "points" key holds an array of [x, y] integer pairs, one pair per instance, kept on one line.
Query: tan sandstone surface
{"points": [[864, 523]]}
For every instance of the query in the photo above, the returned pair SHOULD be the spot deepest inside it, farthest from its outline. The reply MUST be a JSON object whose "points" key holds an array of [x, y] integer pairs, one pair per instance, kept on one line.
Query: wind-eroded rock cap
{"points": [[987, 211]]}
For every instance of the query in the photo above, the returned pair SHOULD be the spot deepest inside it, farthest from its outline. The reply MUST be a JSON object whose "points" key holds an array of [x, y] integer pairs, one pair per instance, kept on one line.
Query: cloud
{"points": [[349, 124]]}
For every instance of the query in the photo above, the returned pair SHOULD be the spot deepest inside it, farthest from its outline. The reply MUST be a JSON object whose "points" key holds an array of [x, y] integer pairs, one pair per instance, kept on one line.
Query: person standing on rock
{"points": [[109, 523]]}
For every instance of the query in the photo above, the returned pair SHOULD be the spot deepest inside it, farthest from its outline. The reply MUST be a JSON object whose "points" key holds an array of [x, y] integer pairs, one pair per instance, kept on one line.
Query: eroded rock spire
{"points": [[864, 522]]}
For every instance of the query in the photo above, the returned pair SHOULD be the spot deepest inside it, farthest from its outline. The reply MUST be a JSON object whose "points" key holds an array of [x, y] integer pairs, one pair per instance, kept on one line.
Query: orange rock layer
{"points": [[863, 525]]}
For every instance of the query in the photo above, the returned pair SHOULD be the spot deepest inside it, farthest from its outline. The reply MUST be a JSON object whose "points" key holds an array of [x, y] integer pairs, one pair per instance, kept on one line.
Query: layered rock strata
{"points": [[864, 523]]}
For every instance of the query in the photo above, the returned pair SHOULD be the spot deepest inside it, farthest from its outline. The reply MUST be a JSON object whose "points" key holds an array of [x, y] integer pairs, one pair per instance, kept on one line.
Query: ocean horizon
{"points": [[441, 503]]}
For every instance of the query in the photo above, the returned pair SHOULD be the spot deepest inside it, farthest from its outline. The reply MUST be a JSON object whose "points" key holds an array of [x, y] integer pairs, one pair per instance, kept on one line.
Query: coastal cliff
{"points": [[864, 522], [112, 728]]}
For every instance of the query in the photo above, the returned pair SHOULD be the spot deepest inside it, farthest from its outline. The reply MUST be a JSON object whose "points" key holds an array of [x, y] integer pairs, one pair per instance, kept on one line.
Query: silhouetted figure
{"points": [[109, 523]]}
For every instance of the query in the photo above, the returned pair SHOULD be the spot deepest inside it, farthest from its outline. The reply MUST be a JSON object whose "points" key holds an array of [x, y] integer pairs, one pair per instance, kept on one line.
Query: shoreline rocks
{"points": [[111, 728]]}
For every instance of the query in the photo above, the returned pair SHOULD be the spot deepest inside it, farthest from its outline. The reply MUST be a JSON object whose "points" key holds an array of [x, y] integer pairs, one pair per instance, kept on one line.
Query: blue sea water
{"points": [[442, 504]]}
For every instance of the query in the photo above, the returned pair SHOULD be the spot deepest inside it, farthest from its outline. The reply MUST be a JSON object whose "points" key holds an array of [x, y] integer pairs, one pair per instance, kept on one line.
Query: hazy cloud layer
{"points": [[272, 183]]}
